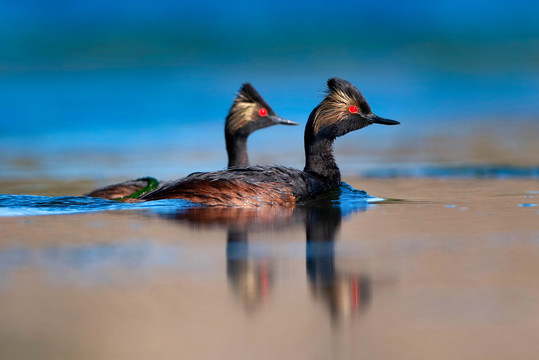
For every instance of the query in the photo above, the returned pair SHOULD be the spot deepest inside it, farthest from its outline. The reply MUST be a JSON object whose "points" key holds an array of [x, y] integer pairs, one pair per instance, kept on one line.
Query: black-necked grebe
{"points": [[344, 109], [249, 112]]}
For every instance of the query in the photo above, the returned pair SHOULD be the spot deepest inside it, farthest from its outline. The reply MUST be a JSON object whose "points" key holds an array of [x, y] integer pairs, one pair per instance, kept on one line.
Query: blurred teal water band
{"points": [[109, 82], [455, 172]]}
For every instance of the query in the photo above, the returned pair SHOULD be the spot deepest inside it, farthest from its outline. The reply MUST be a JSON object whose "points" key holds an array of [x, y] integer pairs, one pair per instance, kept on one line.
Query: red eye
{"points": [[353, 109], [262, 112]]}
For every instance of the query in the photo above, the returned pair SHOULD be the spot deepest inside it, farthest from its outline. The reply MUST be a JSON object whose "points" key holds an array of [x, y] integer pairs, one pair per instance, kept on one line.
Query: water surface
{"points": [[447, 271]]}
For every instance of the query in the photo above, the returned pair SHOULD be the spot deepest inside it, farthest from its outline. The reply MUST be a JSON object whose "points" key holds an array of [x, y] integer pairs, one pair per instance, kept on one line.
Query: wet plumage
{"points": [[124, 190], [245, 187]]}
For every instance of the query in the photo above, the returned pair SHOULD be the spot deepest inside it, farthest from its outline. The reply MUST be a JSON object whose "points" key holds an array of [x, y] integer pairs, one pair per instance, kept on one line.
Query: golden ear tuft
{"points": [[240, 115], [334, 108]]}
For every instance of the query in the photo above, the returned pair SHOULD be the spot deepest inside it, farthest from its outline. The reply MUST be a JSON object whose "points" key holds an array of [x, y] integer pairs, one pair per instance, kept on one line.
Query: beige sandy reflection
{"points": [[447, 283]]}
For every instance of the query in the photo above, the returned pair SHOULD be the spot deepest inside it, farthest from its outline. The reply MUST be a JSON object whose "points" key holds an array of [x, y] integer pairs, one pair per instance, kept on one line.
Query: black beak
{"points": [[375, 119], [279, 120]]}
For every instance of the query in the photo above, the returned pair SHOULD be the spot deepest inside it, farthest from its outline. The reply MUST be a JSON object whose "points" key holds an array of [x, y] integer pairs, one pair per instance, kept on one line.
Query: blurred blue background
{"points": [[109, 90]]}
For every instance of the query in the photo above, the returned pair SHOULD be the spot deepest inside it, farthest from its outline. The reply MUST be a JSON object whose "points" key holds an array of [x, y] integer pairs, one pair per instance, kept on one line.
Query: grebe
{"points": [[344, 109], [249, 112]]}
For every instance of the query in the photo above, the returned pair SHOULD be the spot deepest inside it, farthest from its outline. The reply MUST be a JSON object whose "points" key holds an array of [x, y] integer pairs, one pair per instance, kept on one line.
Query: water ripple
{"points": [[30, 205], [345, 197]]}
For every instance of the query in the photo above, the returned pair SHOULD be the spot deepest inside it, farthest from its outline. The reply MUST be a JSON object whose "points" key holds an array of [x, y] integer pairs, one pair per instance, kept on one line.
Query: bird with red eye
{"points": [[239, 125]]}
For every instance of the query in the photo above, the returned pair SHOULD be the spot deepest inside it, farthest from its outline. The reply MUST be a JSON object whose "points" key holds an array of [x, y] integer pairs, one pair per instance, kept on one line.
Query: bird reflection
{"points": [[251, 275], [344, 294]]}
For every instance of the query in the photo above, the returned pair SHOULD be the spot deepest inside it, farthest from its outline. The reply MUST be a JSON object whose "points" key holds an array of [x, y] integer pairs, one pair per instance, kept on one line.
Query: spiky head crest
{"points": [[342, 100], [245, 109]]}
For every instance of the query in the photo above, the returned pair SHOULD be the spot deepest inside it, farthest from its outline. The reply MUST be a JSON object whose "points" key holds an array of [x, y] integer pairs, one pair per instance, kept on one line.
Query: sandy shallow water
{"points": [[447, 271]]}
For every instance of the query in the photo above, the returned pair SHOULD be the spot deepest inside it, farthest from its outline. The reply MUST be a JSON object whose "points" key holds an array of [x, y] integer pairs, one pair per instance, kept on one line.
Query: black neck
{"points": [[236, 147], [319, 155]]}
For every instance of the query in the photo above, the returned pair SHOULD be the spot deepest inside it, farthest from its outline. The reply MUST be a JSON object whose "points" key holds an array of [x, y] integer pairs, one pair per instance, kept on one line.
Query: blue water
{"points": [[168, 123], [30, 205], [99, 91], [350, 200]]}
